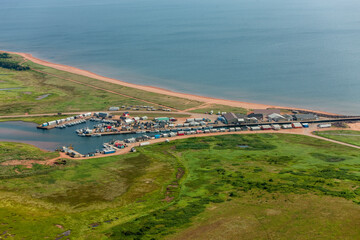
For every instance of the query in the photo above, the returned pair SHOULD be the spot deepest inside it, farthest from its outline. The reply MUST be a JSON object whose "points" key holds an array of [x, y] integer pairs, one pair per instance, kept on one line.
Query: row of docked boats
{"points": [[84, 131], [102, 120], [70, 124]]}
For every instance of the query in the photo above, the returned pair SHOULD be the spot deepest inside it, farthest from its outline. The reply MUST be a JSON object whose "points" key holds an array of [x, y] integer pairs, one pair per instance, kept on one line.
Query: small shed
{"points": [[180, 133], [162, 119], [144, 144], [255, 128], [276, 127], [327, 125], [114, 108], [296, 125], [266, 127], [305, 125], [286, 126]]}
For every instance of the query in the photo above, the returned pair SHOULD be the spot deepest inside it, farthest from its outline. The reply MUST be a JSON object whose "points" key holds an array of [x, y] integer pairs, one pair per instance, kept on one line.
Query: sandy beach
{"points": [[206, 100]]}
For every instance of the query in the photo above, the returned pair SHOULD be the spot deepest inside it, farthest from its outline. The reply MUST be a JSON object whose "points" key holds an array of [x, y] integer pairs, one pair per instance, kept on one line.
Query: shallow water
{"points": [[42, 96], [294, 53], [5, 89], [26, 132]]}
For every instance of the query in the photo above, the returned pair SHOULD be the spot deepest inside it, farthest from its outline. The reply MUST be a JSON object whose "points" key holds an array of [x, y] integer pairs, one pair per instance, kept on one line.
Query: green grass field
{"points": [[38, 120], [263, 186], [220, 108], [63, 96], [346, 136], [21, 151], [34, 92]]}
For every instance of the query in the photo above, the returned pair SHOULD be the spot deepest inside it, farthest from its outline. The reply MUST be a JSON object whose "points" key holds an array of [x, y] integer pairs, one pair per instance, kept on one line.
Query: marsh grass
{"points": [[21, 151], [347, 136], [167, 189]]}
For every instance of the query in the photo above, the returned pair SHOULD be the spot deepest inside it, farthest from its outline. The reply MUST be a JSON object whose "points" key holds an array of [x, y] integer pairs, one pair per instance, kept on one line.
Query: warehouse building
{"points": [[261, 114], [305, 117], [275, 117], [231, 118]]}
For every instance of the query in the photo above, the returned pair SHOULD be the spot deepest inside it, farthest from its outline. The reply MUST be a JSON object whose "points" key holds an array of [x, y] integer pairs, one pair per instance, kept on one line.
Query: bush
{"points": [[327, 158], [4, 55], [12, 65]]}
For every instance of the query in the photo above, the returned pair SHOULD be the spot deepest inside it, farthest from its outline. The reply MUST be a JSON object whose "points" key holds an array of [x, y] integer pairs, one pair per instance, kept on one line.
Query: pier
{"points": [[214, 126]]}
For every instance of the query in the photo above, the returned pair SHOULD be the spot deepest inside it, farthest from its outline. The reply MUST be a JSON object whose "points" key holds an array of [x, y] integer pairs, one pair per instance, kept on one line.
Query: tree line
{"points": [[4, 55], [6, 63]]}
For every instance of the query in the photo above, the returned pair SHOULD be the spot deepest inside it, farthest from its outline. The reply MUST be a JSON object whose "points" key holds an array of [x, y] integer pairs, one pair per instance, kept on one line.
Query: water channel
{"points": [[26, 132]]}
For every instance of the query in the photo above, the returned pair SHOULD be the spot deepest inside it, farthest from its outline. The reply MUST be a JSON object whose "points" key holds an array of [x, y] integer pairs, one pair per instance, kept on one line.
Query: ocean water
{"points": [[293, 53], [27, 132]]}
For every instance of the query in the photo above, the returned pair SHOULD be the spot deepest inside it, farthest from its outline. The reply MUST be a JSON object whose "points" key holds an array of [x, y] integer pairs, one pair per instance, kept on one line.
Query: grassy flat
{"points": [[260, 186], [62, 96], [22, 151], [265, 216], [38, 120], [39, 92], [346, 136]]}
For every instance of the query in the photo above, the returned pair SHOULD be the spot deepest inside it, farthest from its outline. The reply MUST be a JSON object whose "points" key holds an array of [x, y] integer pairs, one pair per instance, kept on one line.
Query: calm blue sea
{"points": [[294, 53]]}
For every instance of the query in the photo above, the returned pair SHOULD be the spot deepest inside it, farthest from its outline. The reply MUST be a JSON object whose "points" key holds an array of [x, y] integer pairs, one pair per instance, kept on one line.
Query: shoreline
{"points": [[204, 99]]}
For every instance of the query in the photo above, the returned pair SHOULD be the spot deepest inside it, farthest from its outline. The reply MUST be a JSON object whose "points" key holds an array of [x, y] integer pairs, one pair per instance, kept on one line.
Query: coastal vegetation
{"points": [[5, 55], [12, 65], [257, 186], [47, 90], [7, 61], [38, 120], [346, 136], [24, 89], [21, 151], [25, 155]]}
